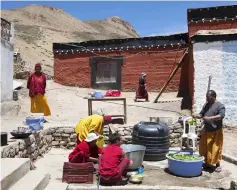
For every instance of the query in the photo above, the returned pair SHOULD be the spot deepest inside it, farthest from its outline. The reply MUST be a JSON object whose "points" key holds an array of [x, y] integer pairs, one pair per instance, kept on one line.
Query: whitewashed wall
{"points": [[7, 67], [219, 60]]}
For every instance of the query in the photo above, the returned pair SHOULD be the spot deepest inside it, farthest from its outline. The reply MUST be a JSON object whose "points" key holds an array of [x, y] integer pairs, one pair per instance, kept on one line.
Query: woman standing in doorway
{"points": [[36, 84]]}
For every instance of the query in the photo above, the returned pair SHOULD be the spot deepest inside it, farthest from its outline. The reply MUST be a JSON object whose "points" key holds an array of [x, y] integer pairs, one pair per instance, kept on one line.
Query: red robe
{"points": [[82, 152], [36, 85]]}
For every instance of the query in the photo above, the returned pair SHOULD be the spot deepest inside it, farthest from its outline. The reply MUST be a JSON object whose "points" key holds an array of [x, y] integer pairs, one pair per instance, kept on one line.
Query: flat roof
{"points": [[128, 43], [204, 37], [208, 13]]}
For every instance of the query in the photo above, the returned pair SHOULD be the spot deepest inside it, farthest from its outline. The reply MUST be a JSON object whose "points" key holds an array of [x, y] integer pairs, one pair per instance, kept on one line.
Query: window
{"points": [[106, 72]]}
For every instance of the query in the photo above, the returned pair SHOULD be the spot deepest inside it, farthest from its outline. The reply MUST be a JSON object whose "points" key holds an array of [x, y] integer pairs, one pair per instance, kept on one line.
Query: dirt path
{"points": [[68, 105]]}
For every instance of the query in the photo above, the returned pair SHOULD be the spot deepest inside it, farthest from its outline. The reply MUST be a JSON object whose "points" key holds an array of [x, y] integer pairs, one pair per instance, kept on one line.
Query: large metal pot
{"points": [[135, 153]]}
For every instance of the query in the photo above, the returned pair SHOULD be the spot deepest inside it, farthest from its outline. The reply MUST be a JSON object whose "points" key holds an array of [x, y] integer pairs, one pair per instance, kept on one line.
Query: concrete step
{"points": [[131, 187], [56, 185], [33, 180], [13, 169]]}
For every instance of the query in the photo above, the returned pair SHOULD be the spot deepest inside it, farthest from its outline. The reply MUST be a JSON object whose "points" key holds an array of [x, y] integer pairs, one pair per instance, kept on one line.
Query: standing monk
{"points": [[211, 142], [142, 91], [36, 84]]}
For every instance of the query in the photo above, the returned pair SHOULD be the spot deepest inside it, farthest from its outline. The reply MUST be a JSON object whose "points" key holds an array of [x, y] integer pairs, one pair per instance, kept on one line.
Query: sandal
{"points": [[218, 169]]}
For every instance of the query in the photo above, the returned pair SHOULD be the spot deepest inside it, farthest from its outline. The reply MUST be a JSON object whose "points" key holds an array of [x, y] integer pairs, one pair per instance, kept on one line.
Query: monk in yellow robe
{"points": [[37, 84], [94, 123], [211, 142]]}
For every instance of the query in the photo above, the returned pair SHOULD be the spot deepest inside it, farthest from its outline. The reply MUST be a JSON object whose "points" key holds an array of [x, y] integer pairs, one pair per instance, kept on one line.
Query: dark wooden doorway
{"points": [[106, 72]]}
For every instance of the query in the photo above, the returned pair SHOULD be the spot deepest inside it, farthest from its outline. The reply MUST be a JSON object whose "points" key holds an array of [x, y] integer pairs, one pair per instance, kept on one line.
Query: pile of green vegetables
{"points": [[184, 157]]}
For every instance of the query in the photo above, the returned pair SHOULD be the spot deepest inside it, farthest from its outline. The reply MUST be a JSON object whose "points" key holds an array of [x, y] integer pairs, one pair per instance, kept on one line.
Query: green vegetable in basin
{"points": [[184, 157]]}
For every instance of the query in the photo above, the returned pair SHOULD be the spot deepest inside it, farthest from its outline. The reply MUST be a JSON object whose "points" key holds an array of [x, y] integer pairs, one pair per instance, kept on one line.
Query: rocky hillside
{"points": [[37, 27]]}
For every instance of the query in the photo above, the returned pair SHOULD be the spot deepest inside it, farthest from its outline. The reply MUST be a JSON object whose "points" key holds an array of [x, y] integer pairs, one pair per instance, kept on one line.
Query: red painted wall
{"points": [[74, 69], [193, 27]]}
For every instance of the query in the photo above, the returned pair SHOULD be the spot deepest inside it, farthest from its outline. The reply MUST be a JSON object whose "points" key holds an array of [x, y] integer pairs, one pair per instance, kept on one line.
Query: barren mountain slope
{"points": [[37, 27]]}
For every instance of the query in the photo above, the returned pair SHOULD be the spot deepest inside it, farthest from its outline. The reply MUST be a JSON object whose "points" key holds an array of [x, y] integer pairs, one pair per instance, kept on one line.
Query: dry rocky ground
{"points": [[37, 27]]}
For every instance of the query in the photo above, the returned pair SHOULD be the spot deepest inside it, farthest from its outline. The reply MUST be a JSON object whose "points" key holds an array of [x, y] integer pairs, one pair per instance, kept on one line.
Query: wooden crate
{"points": [[78, 173]]}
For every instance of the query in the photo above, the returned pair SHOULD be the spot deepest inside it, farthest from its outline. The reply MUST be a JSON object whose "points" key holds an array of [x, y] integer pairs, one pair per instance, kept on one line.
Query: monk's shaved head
{"points": [[212, 93], [211, 96]]}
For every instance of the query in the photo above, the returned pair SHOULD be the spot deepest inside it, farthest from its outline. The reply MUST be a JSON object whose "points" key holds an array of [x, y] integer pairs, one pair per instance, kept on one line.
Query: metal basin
{"points": [[135, 153]]}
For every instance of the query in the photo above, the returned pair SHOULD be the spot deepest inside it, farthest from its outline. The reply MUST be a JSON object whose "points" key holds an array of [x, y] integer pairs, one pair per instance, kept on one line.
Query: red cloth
{"points": [[141, 92], [36, 85], [110, 159], [108, 118], [82, 152], [37, 65], [113, 93]]}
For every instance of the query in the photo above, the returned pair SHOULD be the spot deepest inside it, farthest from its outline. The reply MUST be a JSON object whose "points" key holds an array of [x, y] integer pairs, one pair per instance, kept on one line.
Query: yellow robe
{"points": [[39, 104], [211, 144], [88, 124]]}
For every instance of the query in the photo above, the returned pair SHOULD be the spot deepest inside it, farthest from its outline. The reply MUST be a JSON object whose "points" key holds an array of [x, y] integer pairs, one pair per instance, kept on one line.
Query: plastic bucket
{"points": [[35, 123], [98, 94], [185, 168]]}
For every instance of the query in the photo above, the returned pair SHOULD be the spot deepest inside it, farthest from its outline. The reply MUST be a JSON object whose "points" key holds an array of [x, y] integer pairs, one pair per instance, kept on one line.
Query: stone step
{"points": [[56, 185], [131, 187], [13, 169], [33, 180]]}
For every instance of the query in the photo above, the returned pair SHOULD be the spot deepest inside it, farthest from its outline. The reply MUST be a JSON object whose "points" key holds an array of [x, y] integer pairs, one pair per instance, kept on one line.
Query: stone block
{"points": [[128, 137], [32, 139], [60, 131], [58, 138], [180, 130], [27, 142], [70, 144], [65, 135], [11, 152], [16, 147], [66, 139], [31, 148], [127, 133], [121, 133], [55, 143], [63, 143], [23, 153], [57, 135], [22, 145], [69, 130], [52, 131], [178, 126], [175, 135], [73, 136]]}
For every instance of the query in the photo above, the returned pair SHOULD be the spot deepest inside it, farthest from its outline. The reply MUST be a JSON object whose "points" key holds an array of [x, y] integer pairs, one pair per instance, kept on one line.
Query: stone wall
{"points": [[41, 142], [32, 147], [176, 131]]}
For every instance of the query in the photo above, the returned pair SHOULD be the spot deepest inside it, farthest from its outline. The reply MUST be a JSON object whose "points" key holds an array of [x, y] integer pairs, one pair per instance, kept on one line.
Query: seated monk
{"points": [[86, 151], [113, 163]]}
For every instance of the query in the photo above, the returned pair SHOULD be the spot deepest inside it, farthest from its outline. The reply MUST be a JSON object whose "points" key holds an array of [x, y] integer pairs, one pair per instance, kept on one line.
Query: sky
{"points": [[148, 18]]}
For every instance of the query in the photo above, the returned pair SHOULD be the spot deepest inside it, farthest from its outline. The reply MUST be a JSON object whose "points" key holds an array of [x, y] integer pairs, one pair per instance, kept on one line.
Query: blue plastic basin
{"points": [[98, 94], [185, 168], [34, 123]]}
